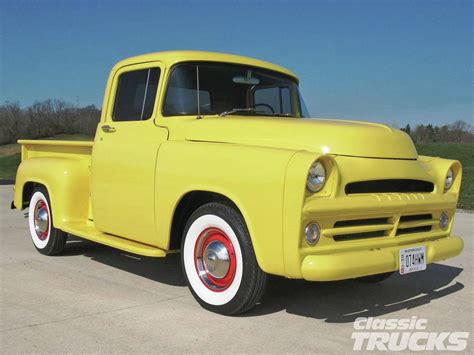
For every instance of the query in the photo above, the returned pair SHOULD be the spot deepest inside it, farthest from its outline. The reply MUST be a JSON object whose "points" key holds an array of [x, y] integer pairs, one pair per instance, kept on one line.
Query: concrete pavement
{"points": [[97, 299]]}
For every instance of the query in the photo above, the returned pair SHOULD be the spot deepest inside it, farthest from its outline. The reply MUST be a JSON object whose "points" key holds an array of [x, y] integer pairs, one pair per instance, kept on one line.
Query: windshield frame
{"points": [[171, 70]]}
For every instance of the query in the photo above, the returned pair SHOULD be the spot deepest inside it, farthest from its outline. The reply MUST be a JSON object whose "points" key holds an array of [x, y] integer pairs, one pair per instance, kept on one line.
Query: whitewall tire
{"points": [[219, 262], [46, 239]]}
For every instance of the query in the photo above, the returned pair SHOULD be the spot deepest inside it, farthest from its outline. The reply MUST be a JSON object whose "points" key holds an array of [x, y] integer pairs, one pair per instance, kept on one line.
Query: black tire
{"points": [[375, 278], [46, 239], [228, 295]]}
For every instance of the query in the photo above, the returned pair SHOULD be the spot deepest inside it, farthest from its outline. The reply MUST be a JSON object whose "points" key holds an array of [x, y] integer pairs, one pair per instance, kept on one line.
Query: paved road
{"points": [[96, 299]]}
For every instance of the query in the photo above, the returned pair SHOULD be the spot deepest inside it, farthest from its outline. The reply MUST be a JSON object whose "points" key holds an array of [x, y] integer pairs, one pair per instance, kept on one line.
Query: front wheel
{"points": [[219, 261], [47, 239]]}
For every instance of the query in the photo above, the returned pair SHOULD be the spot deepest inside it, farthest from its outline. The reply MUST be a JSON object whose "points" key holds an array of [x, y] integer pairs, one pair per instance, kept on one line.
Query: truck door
{"points": [[124, 155]]}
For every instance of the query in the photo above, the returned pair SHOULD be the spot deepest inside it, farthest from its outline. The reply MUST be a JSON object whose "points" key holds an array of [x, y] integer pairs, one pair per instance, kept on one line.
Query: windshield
{"points": [[230, 89]]}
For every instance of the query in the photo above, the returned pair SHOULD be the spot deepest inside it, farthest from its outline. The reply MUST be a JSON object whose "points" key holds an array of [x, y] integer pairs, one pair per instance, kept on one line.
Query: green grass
{"points": [[463, 152], [8, 166]]}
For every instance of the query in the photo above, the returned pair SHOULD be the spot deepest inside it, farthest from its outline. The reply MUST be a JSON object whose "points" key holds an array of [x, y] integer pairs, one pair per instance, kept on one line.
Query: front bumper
{"points": [[348, 265]]}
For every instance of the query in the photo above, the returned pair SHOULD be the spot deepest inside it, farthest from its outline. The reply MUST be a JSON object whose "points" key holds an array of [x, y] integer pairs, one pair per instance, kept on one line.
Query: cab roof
{"points": [[170, 58]]}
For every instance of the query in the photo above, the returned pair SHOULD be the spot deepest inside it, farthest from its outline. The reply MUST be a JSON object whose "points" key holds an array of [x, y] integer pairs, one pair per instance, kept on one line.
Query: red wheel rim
{"points": [[214, 259], [41, 220]]}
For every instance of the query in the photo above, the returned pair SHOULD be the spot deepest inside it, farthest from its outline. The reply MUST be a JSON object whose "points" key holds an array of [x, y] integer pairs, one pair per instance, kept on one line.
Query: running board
{"points": [[88, 231]]}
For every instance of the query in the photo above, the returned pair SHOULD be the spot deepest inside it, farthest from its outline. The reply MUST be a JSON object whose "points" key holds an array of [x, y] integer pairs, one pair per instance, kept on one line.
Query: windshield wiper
{"points": [[234, 110]]}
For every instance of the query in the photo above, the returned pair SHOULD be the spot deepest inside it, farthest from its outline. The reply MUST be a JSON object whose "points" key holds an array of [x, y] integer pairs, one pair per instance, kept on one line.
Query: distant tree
{"points": [[436, 134], [418, 133], [461, 131], [46, 118], [407, 129], [10, 122], [429, 133], [460, 125], [443, 134], [457, 132]]}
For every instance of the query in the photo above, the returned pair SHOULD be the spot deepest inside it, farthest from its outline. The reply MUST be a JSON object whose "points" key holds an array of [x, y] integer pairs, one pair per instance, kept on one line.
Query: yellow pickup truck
{"points": [[215, 156]]}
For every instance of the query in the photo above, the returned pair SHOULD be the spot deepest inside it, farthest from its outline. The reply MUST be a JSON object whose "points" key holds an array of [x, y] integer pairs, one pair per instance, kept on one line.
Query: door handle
{"points": [[108, 129]]}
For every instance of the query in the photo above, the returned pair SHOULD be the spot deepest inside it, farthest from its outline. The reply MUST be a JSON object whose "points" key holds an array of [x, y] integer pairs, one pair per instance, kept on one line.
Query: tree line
{"points": [[45, 119], [457, 132], [51, 117]]}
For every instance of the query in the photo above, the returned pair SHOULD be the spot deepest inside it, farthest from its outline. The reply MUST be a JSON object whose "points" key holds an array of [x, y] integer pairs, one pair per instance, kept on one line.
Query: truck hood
{"points": [[338, 137]]}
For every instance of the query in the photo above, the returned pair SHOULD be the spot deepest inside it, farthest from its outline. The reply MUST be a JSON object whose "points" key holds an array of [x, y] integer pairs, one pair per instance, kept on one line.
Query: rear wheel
{"points": [[47, 239], [219, 261]]}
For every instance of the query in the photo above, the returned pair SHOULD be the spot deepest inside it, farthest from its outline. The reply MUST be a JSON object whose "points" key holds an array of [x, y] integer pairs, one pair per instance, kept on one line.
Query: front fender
{"points": [[253, 178], [295, 195], [67, 182]]}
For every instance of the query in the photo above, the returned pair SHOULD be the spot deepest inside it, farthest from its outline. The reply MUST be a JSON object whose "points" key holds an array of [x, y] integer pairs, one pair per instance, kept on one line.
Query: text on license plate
{"points": [[412, 260]]}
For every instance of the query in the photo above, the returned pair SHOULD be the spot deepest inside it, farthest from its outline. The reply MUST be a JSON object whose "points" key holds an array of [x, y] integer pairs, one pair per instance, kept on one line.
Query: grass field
{"points": [[10, 158], [8, 166]]}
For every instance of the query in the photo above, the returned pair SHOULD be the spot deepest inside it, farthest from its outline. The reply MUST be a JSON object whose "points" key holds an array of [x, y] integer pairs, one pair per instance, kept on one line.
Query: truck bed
{"points": [[64, 168], [52, 148]]}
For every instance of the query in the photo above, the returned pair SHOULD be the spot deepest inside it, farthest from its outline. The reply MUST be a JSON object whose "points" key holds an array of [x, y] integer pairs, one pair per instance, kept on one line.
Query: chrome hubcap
{"points": [[41, 220], [216, 259]]}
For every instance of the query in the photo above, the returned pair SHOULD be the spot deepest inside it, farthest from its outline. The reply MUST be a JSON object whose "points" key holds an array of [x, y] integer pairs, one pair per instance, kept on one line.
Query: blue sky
{"points": [[391, 61]]}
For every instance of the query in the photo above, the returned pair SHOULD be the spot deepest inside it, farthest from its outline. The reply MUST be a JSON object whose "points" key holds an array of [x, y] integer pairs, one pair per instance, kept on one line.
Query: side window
{"points": [[181, 96], [285, 101], [273, 100], [136, 93]]}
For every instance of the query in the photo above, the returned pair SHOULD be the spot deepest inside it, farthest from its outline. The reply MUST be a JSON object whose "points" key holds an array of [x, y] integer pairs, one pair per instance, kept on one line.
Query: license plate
{"points": [[412, 260]]}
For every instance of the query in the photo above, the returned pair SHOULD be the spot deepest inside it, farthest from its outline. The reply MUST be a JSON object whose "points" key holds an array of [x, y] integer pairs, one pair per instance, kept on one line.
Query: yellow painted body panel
{"points": [[122, 183], [90, 232], [329, 267], [63, 168], [124, 189], [326, 136], [123, 171], [169, 58], [236, 172]]}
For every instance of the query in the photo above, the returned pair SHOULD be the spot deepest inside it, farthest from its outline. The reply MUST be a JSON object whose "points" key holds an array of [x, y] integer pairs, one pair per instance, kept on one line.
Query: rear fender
{"points": [[67, 182]]}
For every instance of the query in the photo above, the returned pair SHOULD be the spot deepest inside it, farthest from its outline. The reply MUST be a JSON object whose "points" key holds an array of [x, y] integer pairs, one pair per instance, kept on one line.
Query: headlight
{"points": [[312, 233], [316, 177], [448, 182], [443, 220]]}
